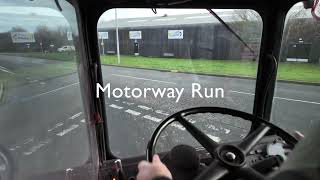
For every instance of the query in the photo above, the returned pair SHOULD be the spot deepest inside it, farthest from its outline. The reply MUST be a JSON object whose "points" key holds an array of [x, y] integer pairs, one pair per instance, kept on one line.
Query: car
{"points": [[66, 49], [213, 91]]}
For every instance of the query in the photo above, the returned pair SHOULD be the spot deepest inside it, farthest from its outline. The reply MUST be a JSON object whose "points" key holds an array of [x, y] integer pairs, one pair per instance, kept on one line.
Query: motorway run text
{"points": [[171, 93]]}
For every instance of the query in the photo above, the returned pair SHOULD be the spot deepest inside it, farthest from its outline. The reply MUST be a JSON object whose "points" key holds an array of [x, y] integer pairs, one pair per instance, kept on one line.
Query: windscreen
{"points": [[43, 128], [156, 63], [296, 103]]}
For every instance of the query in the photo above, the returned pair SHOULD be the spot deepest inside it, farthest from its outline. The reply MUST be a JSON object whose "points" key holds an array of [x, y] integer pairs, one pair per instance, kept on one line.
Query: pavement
{"points": [[43, 124]]}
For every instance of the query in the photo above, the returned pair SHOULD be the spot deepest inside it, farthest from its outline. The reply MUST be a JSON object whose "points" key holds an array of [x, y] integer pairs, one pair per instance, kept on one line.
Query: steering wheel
{"points": [[228, 158]]}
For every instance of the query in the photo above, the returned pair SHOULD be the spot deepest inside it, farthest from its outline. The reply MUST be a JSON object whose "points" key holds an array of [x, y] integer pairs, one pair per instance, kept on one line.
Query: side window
{"points": [[42, 122], [297, 99]]}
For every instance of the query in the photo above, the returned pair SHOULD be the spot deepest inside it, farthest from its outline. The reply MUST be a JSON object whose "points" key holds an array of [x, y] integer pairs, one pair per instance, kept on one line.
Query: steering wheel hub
{"points": [[231, 156]]}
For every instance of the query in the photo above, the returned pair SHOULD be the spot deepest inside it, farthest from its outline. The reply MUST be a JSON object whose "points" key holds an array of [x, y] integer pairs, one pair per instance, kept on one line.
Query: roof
{"points": [[185, 19]]}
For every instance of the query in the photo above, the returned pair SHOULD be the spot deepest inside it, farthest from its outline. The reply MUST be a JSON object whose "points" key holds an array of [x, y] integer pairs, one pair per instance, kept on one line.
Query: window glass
{"points": [[154, 65], [296, 103], [42, 122]]}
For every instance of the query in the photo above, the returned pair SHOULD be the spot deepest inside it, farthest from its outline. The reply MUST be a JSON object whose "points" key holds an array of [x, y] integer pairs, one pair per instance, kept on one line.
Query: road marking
{"points": [[36, 147], [83, 121], [161, 112], [115, 106], [128, 103], [135, 113], [215, 138], [281, 98], [75, 115], [55, 126], [54, 90], [144, 107], [179, 126], [64, 132], [133, 77], [6, 70], [227, 131], [27, 141], [152, 118]]}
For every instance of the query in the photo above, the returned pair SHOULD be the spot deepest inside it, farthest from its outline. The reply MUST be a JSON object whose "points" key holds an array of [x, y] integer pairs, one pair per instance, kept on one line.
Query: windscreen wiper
{"points": [[231, 30]]}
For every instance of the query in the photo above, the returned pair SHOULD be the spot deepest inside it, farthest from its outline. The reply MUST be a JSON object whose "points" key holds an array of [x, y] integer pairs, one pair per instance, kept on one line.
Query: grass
{"points": [[27, 74], [298, 72]]}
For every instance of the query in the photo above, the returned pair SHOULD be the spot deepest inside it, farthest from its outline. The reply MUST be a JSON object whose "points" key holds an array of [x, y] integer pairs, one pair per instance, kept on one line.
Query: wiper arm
{"points": [[231, 30]]}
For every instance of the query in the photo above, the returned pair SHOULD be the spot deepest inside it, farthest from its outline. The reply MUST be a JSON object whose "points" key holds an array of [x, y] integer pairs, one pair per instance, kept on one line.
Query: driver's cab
{"points": [[220, 90]]}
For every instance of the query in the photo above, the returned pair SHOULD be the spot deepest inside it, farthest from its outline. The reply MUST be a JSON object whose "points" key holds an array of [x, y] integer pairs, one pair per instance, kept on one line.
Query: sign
{"points": [[135, 35], [69, 36], [103, 35], [22, 37], [175, 34]]}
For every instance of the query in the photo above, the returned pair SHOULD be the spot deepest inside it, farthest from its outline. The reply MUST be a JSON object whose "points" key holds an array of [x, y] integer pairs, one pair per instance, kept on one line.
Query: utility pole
{"points": [[117, 35]]}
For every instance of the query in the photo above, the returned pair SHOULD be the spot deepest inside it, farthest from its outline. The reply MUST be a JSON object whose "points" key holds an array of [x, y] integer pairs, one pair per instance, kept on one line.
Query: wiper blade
{"points": [[231, 30]]}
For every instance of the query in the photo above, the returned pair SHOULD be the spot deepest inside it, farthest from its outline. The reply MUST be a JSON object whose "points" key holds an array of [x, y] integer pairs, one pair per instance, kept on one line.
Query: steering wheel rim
{"points": [[220, 165]]}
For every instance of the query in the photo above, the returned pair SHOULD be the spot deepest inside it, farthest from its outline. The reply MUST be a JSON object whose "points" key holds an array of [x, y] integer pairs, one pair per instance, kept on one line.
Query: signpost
{"points": [[175, 34], [22, 37], [69, 36], [102, 36]]}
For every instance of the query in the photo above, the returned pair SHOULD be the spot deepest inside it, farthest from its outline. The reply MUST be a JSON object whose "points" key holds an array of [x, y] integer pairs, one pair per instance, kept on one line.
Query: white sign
{"points": [[175, 34], [22, 37], [103, 35], [69, 36], [135, 35]]}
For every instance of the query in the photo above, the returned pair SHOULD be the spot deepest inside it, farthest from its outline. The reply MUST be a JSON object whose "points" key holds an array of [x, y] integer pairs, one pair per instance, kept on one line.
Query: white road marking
{"points": [[33, 81], [144, 107], [128, 103], [135, 113], [6, 70], [287, 99], [152, 118], [55, 126], [161, 112], [215, 138], [55, 90], [133, 77], [36, 147], [179, 126], [75, 115], [227, 131], [115, 106], [117, 100], [64, 132], [27, 141], [83, 120], [42, 83]]}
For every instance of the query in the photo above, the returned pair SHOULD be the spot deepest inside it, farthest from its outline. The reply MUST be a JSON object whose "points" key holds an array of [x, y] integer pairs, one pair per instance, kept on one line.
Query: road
{"points": [[43, 124]]}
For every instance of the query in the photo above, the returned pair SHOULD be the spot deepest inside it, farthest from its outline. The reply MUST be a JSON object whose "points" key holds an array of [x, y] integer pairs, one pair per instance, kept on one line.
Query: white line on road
{"points": [[6, 70], [83, 121], [133, 77], [55, 90], [115, 106], [135, 113], [144, 107], [27, 141], [72, 127], [152, 118], [287, 99], [215, 138], [128, 103], [75, 115], [55, 127], [36, 147], [161, 112], [179, 126]]}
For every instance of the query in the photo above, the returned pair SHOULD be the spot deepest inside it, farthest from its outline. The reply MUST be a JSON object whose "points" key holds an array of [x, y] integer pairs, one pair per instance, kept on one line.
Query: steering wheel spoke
{"points": [[253, 138], [209, 144], [214, 171]]}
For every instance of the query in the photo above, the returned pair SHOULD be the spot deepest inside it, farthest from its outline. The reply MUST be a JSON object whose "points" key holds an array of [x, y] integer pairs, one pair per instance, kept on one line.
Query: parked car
{"points": [[66, 49]]}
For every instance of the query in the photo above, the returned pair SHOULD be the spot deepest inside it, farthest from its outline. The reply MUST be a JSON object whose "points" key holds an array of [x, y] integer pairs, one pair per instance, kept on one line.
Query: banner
{"points": [[103, 35], [135, 35], [175, 34]]}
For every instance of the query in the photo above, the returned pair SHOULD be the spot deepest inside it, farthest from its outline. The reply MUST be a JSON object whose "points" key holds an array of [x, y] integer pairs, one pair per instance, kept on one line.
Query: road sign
{"points": [[103, 35], [135, 35], [175, 34], [22, 37], [69, 36]]}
